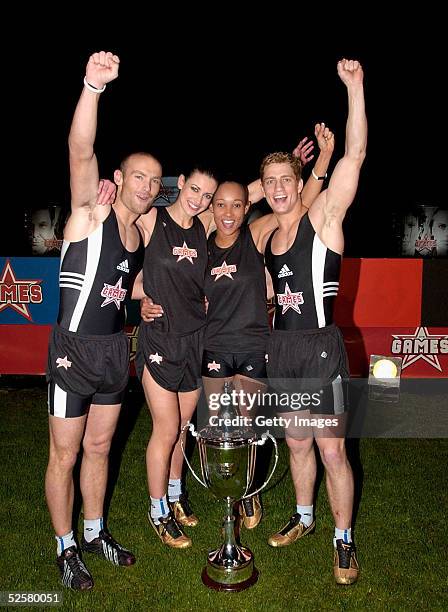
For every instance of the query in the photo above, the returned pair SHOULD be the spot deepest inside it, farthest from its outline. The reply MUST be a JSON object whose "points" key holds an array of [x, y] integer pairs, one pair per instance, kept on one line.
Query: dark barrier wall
{"points": [[435, 293], [385, 306]]}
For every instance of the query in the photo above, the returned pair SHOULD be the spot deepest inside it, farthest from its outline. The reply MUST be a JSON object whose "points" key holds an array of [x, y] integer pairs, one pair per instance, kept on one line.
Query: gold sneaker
{"points": [[169, 532], [251, 511], [345, 566], [292, 531], [183, 513]]}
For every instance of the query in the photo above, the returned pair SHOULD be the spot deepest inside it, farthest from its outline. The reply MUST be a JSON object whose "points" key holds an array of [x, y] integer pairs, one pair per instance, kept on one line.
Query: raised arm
{"points": [[313, 186], [329, 209], [101, 68], [344, 180]]}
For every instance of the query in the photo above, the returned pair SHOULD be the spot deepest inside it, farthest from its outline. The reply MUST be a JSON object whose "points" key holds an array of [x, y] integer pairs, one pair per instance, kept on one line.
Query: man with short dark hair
{"points": [[88, 362]]}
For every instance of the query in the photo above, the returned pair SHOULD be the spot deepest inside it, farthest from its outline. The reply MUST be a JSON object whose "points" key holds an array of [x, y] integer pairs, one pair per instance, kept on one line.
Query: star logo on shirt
{"points": [[63, 362], [184, 252], [224, 270], [214, 366], [289, 299], [113, 293], [156, 358]]}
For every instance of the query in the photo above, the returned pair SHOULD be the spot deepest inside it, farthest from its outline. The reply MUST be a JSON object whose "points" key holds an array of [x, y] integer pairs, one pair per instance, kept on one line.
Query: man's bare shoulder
{"points": [[148, 219], [146, 224]]}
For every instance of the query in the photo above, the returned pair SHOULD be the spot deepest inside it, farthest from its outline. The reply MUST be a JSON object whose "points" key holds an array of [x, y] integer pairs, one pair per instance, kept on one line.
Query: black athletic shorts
{"points": [[311, 368], [173, 361], [222, 365], [84, 370]]}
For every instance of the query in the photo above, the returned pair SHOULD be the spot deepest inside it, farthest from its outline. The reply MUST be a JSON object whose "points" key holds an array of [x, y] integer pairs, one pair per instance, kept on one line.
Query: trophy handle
{"points": [[260, 442], [190, 427]]}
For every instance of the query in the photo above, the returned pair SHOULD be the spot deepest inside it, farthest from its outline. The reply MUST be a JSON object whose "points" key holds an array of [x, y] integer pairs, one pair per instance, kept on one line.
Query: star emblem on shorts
{"points": [[156, 358], [214, 366], [63, 362], [289, 299]]}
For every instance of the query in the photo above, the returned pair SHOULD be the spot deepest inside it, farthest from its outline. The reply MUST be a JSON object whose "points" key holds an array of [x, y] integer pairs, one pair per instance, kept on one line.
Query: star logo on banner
{"points": [[420, 345], [113, 293], [214, 366], [223, 270], [156, 358], [63, 362], [184, 252], [289, 299], [17, 294]]}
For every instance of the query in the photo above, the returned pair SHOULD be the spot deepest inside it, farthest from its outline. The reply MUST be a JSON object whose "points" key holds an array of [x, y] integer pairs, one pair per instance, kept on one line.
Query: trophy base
{"points": [[230, 568], [229, 587]]}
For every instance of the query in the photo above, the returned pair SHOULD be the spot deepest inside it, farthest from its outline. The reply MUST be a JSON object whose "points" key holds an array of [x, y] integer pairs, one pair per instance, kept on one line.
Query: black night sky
{"points": [[233, 96]]}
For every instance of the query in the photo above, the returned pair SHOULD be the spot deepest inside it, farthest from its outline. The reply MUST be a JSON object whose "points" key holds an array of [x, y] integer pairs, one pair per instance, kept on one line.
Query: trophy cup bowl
{"points": [[228, 466]]}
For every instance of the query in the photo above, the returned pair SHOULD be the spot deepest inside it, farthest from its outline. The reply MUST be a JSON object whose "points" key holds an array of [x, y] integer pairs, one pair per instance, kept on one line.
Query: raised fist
{"points": [[102, 68]]}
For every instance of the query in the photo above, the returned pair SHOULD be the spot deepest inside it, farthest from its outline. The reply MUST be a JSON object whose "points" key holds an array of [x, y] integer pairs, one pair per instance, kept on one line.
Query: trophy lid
{"points": [[219, 438]]}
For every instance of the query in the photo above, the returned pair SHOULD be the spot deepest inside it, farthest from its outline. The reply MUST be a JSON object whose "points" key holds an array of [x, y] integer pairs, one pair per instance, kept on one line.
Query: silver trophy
{"points": [[227, 455]]}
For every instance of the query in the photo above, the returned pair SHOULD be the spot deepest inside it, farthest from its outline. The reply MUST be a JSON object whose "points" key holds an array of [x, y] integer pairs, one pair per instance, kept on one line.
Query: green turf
{"points": [[400, 530]]}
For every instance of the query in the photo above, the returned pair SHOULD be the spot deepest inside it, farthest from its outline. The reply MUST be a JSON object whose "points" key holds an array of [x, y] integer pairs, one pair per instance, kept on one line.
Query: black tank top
{"points": [[173, 273], [95, 278], [305, 279], [235, 286]]}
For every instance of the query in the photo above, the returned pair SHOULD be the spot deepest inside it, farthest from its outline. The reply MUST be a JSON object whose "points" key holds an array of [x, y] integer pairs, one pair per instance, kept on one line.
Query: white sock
{"points": [[342, 534], [92, 528], [306, 514], [159, 508], [65, 542], [174, 489]]}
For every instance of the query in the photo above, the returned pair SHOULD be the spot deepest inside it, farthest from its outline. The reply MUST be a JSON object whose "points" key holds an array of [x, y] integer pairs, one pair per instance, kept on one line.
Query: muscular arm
{"points": [[329, 209], [83, 163], [344, 180], [101, 69]]}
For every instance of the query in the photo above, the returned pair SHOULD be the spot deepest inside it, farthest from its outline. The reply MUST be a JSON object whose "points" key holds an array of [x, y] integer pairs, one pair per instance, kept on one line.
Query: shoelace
{"points": [[171, 527], [77, 567], [106, 536], [293, 522], [344, 554], [248, 506]]}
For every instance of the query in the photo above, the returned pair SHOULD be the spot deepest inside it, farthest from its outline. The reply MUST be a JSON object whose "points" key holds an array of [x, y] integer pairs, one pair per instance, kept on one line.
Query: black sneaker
{"points": [[345, 565], [105, 546], [74, 573]]}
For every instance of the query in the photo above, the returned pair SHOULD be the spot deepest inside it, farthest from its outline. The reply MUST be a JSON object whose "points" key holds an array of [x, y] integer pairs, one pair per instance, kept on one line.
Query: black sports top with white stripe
{"points": [[96, 276], [305, 279], [235, 286], [174, 273]]}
